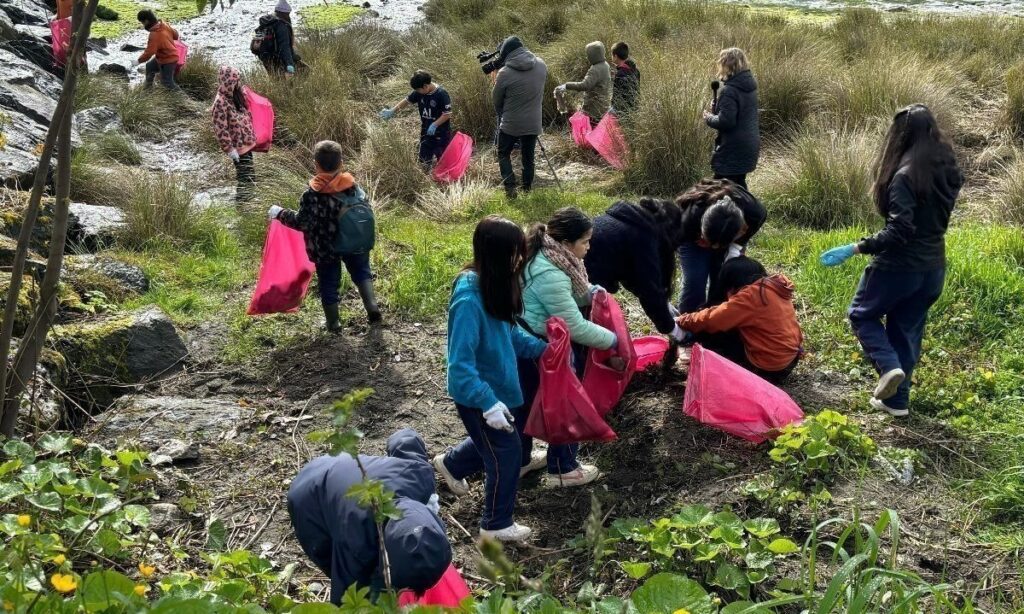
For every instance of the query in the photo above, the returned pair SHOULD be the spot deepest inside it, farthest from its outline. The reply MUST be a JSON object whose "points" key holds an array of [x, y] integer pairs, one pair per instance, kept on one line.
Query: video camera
{"points": [[489, 63]]}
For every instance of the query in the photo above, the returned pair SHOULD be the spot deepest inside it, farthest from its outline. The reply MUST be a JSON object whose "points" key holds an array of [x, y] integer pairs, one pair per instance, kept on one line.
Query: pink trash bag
{"points": [[455, 160], [449, 592], [608, 140], [604, 384], [60, 40], [262, 113], [182, 56], [562, 412], [649, 350], [580, 124], [284, 272], [722, 394]]}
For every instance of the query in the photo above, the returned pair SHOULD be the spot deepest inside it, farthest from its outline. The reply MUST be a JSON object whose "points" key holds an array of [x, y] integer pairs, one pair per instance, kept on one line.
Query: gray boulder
{"points": [[111, 352], [28, 12], [164, 518], [93, 227], [114, 278], [153, 421], [98, 120]]}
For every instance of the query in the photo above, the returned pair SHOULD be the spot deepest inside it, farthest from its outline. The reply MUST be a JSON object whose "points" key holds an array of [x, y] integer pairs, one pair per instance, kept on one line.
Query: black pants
{"points": [[528, 146], [740, 179], [730, 345], [432, 147], [166, 72], [245, 174]]}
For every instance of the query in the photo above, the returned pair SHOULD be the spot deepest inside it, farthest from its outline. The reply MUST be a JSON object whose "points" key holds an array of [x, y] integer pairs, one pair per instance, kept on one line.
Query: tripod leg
{"points": [[544, 152]]}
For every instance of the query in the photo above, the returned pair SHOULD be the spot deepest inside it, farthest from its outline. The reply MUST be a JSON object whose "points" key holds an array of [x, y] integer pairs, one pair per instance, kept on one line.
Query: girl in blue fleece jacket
{"points": [[483, 345]]}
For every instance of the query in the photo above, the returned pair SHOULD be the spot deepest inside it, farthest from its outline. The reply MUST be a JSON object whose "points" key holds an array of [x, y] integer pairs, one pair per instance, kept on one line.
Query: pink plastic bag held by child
{"points": [[604, 384], [182, 56], [284, 273], [608, 140], [262, 113], [60, 40], [562, 412], [724, 395], [580, 124], [649, 350], [455, 160], [449, 592]]}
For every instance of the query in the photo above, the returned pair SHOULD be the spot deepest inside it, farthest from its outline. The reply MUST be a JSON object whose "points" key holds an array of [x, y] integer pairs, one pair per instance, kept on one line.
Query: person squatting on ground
{"points": [[633, 247], [735, 118], [555, 284], [232, 125], [340, 536], [596, 85], [435, 107], [483, 345], [756, 326], [917, 181], [626, 83], [160, 55], [518, 98], [719, 219], [274, 41], [320, 208]]}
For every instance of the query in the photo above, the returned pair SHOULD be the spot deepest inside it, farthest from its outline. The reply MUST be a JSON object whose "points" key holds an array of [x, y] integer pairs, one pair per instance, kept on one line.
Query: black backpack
{"points": [[263, 40], [357, 232]]}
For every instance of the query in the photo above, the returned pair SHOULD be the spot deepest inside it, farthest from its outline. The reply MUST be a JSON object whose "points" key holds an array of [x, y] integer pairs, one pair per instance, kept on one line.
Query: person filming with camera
{"points": [[518, 97]]}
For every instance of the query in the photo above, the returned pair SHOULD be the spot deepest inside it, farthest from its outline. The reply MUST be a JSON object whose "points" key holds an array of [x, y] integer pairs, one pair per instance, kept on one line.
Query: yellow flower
{"points": [[989, 375], [141, 590], [60, 559], [146, 570], [681, 611], [855, 356], [24, 520], [8, 606], [64, 583]]}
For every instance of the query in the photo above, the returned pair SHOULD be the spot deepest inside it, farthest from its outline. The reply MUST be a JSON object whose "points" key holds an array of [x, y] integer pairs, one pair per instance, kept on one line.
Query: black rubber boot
{"points": [[333, 320], [373, 314]]}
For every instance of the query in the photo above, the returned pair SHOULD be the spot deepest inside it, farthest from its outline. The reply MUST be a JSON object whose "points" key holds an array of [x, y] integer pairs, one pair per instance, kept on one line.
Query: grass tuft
{"points": [[199, 76], [114, 146], [388, 165]]}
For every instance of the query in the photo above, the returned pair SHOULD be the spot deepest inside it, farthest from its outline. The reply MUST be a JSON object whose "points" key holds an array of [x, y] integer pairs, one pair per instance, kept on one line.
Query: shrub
{"points": [[199, 76], [1009, 192], [388, 165], [91, 182], [822, 179], [115, 146], [1013, 110], [145, 112], [95, 90], [789, 74], [366, 49]]}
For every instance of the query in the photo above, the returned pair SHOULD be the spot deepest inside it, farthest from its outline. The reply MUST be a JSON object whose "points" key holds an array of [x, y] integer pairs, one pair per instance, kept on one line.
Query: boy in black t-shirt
{"points": [[435, 107]]}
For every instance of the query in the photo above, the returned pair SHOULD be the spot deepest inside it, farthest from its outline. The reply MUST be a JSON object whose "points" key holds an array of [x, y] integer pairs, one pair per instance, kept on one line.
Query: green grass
{"points": [[171, 11], [328, 16]]}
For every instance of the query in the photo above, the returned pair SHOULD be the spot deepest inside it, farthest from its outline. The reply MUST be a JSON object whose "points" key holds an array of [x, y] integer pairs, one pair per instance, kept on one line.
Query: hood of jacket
{"points": [[417, 546], [743, 81], [595, 52], [631, 214], [779, 284], [521, 59], [266, 20], [627, 67], [228, 79], [332, 183], [407, 443]]}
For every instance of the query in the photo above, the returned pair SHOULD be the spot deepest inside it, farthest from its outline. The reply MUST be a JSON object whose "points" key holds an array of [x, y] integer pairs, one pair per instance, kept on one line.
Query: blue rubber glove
{"points": [[386, 113], [291, 70], [431, 129], [837, 255]]}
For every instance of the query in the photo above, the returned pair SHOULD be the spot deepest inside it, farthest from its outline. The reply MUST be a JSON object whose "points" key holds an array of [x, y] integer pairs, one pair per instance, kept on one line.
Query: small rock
{"points": [[315, 587], [178, 451], [366, 5], [152, 421], [98, 120], [130, 47], [93, 227], [215, 196], [164, 518], [113, 277], [100, 42], [372, 13], [117, 70]]}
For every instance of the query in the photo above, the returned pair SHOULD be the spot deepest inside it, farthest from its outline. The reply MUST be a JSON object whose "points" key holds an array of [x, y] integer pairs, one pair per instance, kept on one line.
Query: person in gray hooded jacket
{"points": [[518, 99], [596, 86]]}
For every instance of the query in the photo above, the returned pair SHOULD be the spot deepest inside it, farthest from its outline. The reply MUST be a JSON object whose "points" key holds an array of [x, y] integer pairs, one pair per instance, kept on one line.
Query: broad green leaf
{"points": [[11, 465], [16, 448], [729, 577], [762, 527], [692, 516], [783, 546], [35, 476], [108, 542], [216, 535], [10, 490], [759, 560], [728, 536], [100, 589], [181, 605], [55, 444], [137, 514], [745, 607], [666, 593], [757, 576], [635, 569], [49, 501], [728, 519]]}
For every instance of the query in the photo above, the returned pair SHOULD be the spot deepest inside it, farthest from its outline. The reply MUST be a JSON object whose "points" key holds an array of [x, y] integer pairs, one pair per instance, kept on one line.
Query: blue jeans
{"points": [[499, 455], [166, 72], [903, 299], [561, 458], [700, 266], [329, 275]]}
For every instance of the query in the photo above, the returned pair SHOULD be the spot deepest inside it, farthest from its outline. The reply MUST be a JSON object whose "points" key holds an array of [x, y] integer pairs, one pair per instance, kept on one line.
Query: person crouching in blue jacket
{"points": [[483, 344], [340, 536]]}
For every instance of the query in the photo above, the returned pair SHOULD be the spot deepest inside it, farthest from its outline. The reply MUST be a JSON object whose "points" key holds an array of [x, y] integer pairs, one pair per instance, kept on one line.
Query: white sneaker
{"points": [[888, 382], [584, 474], [684, 354], [892, 411], [459, 487], [538, 460], [514, 533]]}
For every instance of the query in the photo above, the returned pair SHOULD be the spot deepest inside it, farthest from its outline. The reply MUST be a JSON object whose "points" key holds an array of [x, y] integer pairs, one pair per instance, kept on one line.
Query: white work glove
{"points": [[500, 418], [560, 89], [677, 334], [273, 212], [594, 289], [434, 504], [735, 251], [233, 154], [673, 310]]}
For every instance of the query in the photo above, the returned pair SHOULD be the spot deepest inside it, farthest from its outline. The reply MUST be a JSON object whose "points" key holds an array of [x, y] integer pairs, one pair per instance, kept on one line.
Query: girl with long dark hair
{"points": [[232, 125], [917, 181], [483, 345], [555, 284]]}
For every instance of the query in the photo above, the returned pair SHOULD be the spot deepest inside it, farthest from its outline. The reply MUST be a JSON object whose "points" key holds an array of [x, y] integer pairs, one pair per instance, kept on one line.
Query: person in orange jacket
{"points": [[160, 55], [64, 8], [756, 327]]}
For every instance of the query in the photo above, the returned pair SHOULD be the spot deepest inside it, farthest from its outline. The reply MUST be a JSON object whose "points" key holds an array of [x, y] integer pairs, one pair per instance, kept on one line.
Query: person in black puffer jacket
{"points": [[633, 247], [626, 82], [735, 117]]}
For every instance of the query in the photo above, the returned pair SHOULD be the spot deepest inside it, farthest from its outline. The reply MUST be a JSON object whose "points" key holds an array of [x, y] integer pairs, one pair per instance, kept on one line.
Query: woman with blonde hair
{"points": [[734, 115]]}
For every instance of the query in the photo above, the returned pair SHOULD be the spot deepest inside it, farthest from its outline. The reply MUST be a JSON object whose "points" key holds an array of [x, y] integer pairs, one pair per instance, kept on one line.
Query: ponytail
{"points": [[535, 240]]}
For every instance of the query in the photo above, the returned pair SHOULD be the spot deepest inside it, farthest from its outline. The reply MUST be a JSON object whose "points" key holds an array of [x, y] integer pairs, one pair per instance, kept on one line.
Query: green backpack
{"points": [[357, 231]]}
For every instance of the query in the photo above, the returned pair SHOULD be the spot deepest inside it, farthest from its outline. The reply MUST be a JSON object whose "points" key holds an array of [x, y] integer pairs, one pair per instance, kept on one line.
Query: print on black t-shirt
{"points": [[432, 106]]}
